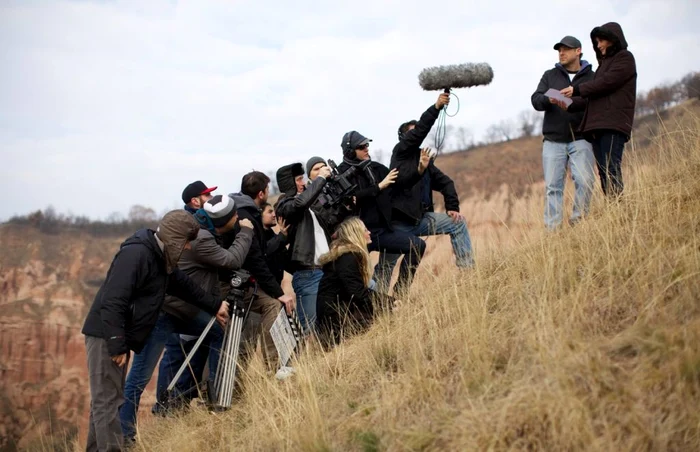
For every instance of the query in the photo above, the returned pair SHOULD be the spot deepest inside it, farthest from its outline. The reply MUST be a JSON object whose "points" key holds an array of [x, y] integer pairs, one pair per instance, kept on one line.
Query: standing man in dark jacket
{"points": [[373, 205], [308, 235], [611, 97], [563, 143], [125, 311], [268, 292]]}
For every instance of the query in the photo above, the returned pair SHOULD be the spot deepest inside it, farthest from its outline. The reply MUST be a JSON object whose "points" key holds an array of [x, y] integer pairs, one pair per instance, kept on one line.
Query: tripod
{"points": [[224, 381]]}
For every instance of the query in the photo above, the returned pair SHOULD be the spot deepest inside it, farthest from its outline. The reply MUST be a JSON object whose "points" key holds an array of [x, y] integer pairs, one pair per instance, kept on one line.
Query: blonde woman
{"points": [[344, 297]]}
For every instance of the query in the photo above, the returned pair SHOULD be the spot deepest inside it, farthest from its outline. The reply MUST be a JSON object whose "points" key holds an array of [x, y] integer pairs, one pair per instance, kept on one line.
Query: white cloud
{"points": [[128, 102]]}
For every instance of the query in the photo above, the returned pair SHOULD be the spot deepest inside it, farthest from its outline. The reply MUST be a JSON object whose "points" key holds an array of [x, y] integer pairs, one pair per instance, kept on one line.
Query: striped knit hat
{"points": [[221, 209]]}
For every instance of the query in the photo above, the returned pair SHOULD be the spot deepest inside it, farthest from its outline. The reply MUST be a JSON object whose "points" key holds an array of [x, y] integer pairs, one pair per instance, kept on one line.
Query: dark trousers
{"points": [[607, 148], [400, 242], [106, 396]]}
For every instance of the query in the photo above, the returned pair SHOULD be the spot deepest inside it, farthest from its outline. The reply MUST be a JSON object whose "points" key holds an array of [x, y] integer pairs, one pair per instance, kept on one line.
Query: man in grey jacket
{"points": [[201, 263]]}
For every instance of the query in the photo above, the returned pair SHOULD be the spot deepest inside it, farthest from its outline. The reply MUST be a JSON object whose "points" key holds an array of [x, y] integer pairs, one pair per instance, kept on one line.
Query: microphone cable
{"points": [[441, 129]]}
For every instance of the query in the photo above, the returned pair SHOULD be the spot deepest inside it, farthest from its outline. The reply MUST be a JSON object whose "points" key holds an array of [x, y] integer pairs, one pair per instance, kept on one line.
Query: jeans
{"points": [[146, 361], [395, 243], [608, 147], [555, 157], [432, 223], [305, 285]]}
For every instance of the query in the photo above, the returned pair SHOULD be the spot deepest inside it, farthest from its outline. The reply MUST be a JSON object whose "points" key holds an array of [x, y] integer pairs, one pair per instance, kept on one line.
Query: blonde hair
{"points": [[350, 238]]}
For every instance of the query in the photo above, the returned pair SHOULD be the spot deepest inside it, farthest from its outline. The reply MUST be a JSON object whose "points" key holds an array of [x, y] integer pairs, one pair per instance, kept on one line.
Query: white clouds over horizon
{"points": [[108, 104]]}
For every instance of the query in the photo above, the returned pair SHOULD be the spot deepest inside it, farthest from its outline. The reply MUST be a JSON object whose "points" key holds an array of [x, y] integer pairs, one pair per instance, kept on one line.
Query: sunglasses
{"points": [[363, 147]]}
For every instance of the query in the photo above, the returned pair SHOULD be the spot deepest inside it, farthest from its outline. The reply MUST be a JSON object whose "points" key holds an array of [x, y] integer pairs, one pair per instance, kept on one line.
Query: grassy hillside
{"points": [[588, 338]]}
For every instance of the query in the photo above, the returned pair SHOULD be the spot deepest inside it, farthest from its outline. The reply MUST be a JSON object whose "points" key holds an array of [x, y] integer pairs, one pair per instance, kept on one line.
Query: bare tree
{"points": [[274, 188], [529, 122], [379, 155], [691, 85], [139, 213]]}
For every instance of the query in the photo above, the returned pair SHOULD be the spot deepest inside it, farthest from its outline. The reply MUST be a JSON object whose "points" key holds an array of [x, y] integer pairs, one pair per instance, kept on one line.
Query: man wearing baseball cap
{"points": [[195, 195], [563, 143]]}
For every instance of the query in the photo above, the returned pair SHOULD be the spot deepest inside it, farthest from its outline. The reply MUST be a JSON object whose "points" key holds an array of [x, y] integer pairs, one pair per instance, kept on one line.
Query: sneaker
{"points": [[285, 372]]}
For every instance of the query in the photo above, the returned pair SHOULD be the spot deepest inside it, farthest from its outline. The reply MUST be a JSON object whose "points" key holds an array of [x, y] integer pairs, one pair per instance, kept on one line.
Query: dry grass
{"points": [[584, 339]]}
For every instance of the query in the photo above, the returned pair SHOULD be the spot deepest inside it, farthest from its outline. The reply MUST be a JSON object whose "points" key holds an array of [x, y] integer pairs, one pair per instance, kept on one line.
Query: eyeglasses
{"points": [[363, 147]]}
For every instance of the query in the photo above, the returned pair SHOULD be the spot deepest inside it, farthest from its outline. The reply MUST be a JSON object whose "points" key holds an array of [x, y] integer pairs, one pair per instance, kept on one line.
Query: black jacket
{"points": [[372, 205], [559, 125], [436, 180], [276, 253], [612, 94], [256, 260], [406, 196], [127, 305], [342, 296]]}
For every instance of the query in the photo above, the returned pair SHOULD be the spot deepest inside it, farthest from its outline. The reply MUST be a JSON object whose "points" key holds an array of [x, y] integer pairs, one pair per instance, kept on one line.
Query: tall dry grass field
{"points": [[583, 339]]}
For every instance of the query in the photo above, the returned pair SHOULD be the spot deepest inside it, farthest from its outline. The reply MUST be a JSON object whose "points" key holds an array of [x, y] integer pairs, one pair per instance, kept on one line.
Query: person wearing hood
{"points": [[308, 235], [202, 264], [563, 144], [125, 310], [611, 97], [374, 206], [268, 291]]}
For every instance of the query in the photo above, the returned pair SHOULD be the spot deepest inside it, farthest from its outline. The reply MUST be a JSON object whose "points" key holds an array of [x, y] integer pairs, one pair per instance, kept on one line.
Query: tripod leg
{"points": [[191, 354]]}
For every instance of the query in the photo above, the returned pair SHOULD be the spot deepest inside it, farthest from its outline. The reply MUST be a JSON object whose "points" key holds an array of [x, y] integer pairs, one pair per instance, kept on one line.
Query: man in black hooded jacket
{"points": [[373, 205], [125, 311]]}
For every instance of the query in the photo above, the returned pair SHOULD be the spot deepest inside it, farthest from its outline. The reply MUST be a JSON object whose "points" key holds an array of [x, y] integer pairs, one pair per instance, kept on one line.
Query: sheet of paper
{"points": [[554, 94], [283, 337]]}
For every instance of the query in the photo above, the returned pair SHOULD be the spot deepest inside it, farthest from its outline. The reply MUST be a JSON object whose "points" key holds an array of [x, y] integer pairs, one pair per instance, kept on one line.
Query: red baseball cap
{"points": [[195, 189]]}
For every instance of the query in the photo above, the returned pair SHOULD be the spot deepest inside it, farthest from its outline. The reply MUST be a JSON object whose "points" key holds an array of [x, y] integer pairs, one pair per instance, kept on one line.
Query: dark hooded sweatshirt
{"points": [[256, 260], [408, 197], [612, 94], [127, 305], [559, 125]]}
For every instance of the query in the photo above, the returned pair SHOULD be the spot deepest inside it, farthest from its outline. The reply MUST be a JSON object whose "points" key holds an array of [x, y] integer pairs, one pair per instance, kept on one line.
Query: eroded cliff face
{"points": [[48, 283]]}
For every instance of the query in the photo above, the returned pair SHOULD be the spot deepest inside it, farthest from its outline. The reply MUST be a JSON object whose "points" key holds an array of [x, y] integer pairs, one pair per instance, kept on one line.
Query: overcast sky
{"points": [[107, 104]]}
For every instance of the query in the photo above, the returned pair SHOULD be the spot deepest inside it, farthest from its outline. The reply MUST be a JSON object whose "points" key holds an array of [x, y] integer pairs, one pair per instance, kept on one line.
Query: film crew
{"points": [[563, 144], [373, 204], [308, 235], [611, 97], [202, 264], [345, 301], [268, 293], [125, 311], [413, 210]]}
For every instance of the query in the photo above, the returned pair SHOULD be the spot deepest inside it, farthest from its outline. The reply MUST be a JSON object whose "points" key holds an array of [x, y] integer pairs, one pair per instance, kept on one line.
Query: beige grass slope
{"points": [[586, 339]]}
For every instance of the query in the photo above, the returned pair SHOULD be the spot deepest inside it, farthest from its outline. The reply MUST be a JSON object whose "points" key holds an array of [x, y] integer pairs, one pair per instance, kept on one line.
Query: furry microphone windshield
{"points": [[455, 76]]}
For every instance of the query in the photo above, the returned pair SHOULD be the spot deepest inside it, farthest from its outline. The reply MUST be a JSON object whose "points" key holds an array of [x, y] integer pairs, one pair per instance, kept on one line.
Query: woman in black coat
{"points": [[345, 303]]}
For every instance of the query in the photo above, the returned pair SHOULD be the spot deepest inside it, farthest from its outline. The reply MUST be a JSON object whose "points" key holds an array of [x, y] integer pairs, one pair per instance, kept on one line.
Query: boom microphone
{"points": [[455, 76]]}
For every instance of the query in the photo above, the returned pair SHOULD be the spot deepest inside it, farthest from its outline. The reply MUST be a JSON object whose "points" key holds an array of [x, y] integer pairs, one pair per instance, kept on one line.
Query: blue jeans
{"points": [[432, 223], [145, 362], [305, 284], [555, 158]]}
